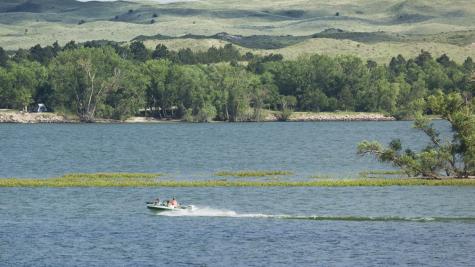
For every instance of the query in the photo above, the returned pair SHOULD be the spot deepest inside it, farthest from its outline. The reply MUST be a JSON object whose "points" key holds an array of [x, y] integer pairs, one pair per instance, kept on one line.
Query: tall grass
{"points": [[110, 175], [85, 180], [381, 173], [252, 173], [68, 181]]}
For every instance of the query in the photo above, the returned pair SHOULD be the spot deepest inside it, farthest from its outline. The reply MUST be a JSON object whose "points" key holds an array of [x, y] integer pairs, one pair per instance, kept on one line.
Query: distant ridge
{"points": [[38, 6], [252, 41], [276, 42], [302, 26]]}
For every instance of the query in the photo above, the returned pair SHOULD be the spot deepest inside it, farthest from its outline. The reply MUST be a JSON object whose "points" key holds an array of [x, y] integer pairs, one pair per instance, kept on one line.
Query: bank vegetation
{"points": [[106, 80]]}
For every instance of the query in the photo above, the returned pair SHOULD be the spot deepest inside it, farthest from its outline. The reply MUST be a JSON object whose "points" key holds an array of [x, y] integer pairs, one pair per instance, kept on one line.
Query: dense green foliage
{"points": [[440, 158], [105, 79]]}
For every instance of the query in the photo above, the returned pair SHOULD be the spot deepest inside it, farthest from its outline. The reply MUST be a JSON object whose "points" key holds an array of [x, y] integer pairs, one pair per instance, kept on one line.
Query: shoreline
{"points": [[332, 116], [33, 118]]}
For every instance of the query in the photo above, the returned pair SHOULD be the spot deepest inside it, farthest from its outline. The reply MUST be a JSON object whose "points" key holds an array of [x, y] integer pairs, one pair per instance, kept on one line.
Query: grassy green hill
{"points": [[374, 29]]}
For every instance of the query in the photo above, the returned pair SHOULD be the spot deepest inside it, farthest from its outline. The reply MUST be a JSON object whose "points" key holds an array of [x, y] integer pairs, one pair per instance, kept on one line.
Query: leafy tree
{"points": [[56, 48], [42, 55], [408, 102], [346, 99], [139, 51], [288, 76], [71, 45], [248, 56], [439, 158], [259, 94], [397, 66], [315, 100], [468, 65], [160, 52], [206, 113], [436, 77], [21, 55], [257, 64], [83, 78], [129, 97], [287, 104], [45, 94], [423, 58], [229, 52], [156, 93], [19, 83], [186, 56], [6, 84], [3, 57], [187, 87], [233, 86], [371, 64], [445, 61]]}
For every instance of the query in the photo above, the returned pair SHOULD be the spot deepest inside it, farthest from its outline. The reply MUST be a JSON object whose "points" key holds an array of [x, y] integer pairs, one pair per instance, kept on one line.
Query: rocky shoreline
{"points": [[333, 116], [23, 117]]}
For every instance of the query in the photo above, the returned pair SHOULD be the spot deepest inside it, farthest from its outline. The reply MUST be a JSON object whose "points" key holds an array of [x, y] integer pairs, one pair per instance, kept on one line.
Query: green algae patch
{"points": [[252, 173], [381, 173], [67, 181], [110, 175], [86, 180], [318, 176]]}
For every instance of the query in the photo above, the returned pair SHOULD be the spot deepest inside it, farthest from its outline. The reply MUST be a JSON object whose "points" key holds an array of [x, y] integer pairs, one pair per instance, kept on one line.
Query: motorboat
{"points": [[159, 206]]}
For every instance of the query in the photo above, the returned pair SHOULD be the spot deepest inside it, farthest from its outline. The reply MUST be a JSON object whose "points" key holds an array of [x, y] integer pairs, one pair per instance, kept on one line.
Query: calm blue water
{"points": [[194, 151], [239, 227], [357, 226]]}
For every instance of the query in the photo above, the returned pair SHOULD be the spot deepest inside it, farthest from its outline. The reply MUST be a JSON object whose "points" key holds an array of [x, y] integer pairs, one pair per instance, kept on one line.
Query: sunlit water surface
{"points": [[355, 226]]}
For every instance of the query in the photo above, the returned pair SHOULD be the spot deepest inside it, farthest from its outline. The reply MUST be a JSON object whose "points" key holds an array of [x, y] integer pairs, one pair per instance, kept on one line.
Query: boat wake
{"points": [[211, 212]]}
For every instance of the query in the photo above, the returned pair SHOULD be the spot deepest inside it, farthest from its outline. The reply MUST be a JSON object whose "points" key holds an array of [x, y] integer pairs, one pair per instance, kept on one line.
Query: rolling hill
{"points": [[370, 28]]}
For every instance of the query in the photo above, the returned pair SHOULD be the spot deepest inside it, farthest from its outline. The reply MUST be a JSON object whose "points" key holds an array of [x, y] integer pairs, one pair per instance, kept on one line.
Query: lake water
{"points": [[355, 226], [196, 151]]}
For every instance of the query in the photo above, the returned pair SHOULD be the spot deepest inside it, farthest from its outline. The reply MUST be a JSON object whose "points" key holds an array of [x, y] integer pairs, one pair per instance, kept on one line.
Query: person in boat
{"points": [[174, 203], [156, 201]]}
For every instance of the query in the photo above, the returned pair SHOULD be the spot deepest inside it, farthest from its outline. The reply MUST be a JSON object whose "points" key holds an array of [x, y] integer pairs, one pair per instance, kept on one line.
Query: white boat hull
{"points": [[157, 207]]}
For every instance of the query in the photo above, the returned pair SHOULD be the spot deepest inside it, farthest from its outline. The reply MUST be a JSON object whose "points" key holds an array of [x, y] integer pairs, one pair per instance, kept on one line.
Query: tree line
{"points": [[103, 79]]}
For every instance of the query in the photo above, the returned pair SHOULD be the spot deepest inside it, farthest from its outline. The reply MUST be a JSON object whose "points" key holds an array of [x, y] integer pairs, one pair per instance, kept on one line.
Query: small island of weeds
{"points": [[147, 180], [110, 175], [252, 173], [382, 174], [86, 180]]}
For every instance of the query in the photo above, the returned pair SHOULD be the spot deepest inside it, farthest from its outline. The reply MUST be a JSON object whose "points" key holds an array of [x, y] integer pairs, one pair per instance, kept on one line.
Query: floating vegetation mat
{"points": [[252, 173], [86, 180], [382, 174], [149, 180], [110, 175]]}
